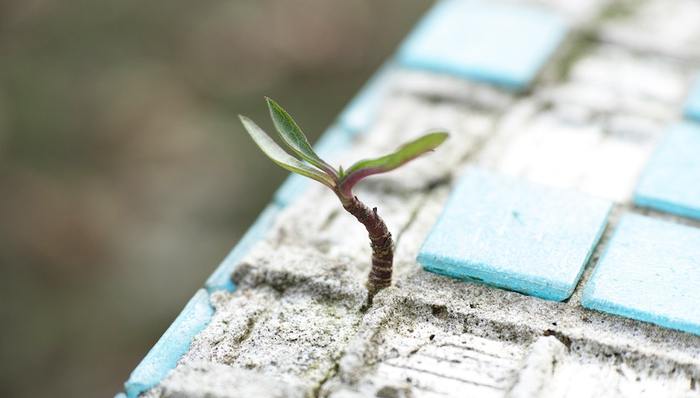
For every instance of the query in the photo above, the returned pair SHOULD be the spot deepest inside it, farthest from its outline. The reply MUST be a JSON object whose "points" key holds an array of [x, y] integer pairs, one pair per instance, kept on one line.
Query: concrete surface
{"points": [[297, 324]]}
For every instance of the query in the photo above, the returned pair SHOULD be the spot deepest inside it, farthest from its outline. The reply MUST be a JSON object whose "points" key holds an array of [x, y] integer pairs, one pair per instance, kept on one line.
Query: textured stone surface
{"points": [[213, 380], [498, 43], [297, 324], [478, 95], [538, 366], [645, 26], [427, 360], [516, 235], [650, 271], [579, 13], [288, 323], [581, 127], [435, 337], [671, 180]]}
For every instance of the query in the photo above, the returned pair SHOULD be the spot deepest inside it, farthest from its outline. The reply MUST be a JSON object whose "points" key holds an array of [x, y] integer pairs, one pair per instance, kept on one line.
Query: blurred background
{"points": [[125, 177]]}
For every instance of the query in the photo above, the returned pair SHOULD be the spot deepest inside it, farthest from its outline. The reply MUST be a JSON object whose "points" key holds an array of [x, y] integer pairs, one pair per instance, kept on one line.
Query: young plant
{"points": [[341, 182]]}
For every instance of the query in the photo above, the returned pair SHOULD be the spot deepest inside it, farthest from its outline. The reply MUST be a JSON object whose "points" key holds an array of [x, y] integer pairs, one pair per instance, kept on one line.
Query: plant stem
{"points": [[381, 242]]}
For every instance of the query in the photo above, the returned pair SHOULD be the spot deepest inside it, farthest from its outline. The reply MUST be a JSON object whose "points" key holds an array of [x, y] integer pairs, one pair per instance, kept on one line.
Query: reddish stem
{"points": [[381, 242]]}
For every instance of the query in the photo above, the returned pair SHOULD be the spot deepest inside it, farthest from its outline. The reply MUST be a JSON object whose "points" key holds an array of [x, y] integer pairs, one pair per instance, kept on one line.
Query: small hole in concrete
{"points": [[388, 392], [438, 310]]}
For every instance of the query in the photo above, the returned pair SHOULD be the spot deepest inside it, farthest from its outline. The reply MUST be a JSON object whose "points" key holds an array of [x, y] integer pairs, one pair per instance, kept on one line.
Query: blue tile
{"points": [[359, 115], [171, 346], [671, 180], [220, 279], [650, 271], [334, 140], [515, 235], [692, 105], [498, 43]]}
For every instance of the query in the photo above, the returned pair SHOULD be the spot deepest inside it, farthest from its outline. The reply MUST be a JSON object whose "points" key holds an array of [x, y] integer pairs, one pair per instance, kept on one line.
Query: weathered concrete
{"points": [[297, 324], [213, 380], [662, 27]]}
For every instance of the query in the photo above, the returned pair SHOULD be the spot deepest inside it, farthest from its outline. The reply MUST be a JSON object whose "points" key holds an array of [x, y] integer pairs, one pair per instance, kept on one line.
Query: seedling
{"points": [[309, 164]]}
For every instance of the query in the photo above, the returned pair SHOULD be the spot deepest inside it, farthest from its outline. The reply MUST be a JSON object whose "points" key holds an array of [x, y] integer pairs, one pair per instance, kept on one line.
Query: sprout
{"points": [[341, 182]]}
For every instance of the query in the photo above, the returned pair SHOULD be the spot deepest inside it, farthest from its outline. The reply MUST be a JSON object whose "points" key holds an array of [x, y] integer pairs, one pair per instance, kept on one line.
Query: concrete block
{"points": [[291, 337], [607, 79], [424, 84], [650, 271], [220, 279], [408, 349], [537, 369], [644, 26], [213, 380], [516, 235], [671, 179], [578, 13], [174, 343], [499, 43]]}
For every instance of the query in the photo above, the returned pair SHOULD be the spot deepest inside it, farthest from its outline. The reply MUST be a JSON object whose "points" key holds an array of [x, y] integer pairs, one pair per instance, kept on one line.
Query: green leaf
{"points": [[292, 135], [282, 158], [402, 155]]}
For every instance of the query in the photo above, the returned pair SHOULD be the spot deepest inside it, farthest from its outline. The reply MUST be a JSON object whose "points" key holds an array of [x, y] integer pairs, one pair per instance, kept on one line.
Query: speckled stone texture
{"points": [[298, 325]]}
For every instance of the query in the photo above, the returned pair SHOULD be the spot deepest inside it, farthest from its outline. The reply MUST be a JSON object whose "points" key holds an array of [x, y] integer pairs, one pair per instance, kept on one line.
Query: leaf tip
{"points": [[271, 103], [437, 138], [442, 135]]}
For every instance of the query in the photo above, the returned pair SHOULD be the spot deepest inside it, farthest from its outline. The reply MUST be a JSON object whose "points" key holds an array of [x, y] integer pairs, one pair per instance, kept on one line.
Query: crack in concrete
{"points": [[247, 332], [316, 390], [334, 370], [437, 374]]}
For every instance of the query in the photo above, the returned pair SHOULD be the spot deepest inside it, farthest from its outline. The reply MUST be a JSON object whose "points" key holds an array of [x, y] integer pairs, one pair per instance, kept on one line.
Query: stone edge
{"points": [[154, 366]]}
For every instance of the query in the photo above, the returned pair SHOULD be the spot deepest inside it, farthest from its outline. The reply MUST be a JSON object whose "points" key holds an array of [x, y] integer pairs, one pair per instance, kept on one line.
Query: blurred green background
{"points": [[125, 177]]}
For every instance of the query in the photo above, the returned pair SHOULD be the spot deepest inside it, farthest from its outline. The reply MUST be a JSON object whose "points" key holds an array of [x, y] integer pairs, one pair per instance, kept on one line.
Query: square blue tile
{"points": [[174, 343], [359, 115], [516, 235], [650, 271], [499, 43], [220, 279], [671, 180], [334, 140], [692, 105]]}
